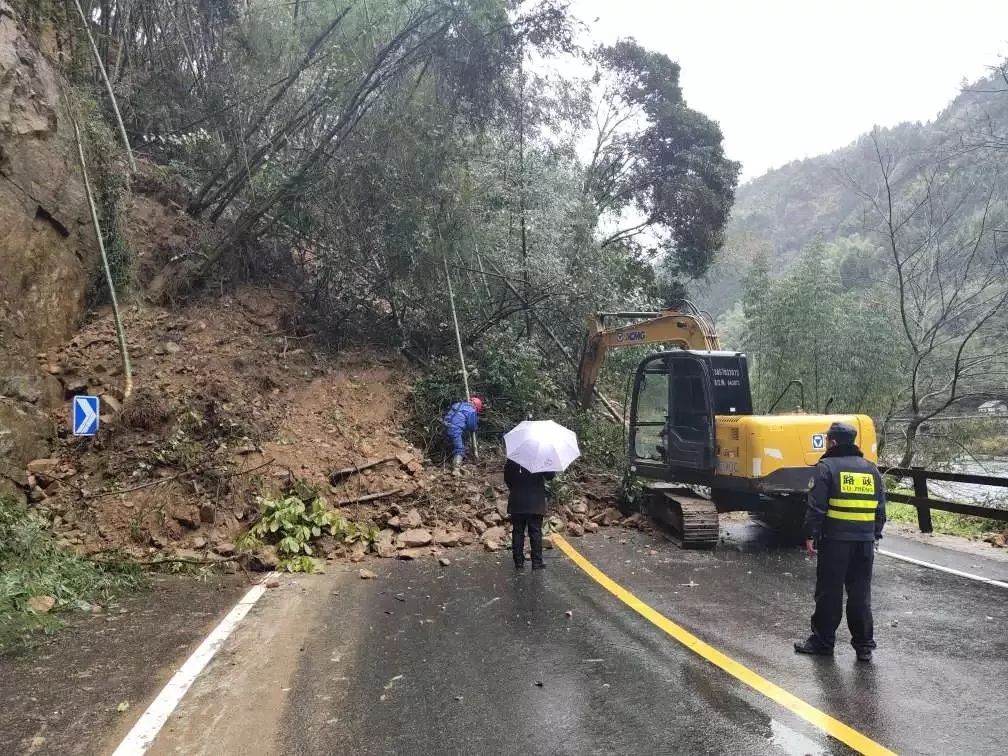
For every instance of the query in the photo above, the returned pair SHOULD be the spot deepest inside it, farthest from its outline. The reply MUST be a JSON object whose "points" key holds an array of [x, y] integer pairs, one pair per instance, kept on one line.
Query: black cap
{"points": [[842, 433]]}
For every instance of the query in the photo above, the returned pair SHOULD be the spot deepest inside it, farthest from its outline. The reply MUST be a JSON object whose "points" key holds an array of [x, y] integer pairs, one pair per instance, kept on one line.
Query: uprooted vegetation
{"points": [[38, 579]]}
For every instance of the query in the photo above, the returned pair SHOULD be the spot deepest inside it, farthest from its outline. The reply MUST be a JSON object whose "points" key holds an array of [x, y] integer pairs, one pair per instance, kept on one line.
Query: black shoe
{"points": [[519, 565], [864, 654], [538, 565], [813, 648]]}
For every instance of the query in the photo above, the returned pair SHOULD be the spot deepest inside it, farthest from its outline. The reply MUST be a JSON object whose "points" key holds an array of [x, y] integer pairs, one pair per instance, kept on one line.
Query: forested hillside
{"points": [[877, 274]]}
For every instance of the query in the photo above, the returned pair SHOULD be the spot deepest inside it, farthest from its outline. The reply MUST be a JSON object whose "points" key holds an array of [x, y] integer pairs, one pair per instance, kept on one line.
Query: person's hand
{"points": [[877, 543], [810, 549]]}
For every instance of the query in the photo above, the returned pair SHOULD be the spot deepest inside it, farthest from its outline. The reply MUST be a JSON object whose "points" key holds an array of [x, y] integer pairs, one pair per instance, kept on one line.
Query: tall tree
{"points": [[658, 170]]}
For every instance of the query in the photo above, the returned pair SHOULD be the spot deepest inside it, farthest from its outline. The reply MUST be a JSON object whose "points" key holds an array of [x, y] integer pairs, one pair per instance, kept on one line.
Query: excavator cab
{"points": [[676, 396]]}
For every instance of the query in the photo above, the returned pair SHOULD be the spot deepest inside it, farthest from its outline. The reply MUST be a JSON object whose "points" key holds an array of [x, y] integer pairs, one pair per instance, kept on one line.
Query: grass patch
{"points": [[947, 523], [31, 564]]}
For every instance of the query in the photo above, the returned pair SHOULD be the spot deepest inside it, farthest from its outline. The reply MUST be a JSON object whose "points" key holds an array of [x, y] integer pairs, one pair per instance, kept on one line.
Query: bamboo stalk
{"points": [[108, 88], [458, 342], [120, 331]]}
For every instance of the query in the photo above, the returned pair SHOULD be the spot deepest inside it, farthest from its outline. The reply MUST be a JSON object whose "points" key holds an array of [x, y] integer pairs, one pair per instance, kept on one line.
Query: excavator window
{"points": [[652, 413]]}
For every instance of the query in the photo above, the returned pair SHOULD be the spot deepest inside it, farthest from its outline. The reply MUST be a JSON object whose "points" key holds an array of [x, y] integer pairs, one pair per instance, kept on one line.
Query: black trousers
{"points": [[519, 523], [844, 565]]}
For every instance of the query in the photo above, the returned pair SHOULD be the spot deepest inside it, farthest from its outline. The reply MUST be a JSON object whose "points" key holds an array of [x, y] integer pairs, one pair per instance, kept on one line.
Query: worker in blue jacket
{"points": [[461, 418]]}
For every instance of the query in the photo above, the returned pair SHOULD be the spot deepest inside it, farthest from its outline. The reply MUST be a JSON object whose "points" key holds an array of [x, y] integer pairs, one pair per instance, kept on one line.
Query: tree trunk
{"points": [[910, 443]]}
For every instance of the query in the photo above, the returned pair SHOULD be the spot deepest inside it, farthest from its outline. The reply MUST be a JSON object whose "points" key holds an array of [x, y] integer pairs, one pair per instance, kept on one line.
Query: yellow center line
{"points": [[810, 714]]}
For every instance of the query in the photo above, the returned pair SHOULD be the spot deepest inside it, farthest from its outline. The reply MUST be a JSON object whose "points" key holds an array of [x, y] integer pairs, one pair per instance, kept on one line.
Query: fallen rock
{"points": [[366, 574], [444, 562], [417, 553], [494, 534], [395, 522], [111, 403], [478, 526], [465, 538], [358, 550], [186, 516], [208, 513], [416, 537], [40, 604], [580, 508], [575, 529], [36, 494], [199, 543], [591, 527], [610, 517], [272, 583], [171, 347], [413, 519], [997, 540], [385, 545], [225, 549], [492, 518], [491, 544], [43, 469], [445, 538], [633, 521]]}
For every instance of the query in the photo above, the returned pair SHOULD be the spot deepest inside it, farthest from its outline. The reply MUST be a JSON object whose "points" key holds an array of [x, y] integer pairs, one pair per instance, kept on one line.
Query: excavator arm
{"points": [[691, 329]]}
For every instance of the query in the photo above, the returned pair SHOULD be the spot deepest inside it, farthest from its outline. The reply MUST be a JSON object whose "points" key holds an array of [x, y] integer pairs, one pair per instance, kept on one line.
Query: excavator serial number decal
{"points": [[857, 483]]}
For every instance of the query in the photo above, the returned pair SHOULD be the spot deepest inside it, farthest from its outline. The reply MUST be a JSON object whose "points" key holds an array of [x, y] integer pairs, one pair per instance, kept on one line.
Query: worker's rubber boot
{"points": [[864, 654], [457, 465], [813, 647]]}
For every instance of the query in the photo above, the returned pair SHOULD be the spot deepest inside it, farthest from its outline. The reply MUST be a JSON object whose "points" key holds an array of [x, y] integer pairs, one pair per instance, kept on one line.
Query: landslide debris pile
{"points": [[234, 404]]}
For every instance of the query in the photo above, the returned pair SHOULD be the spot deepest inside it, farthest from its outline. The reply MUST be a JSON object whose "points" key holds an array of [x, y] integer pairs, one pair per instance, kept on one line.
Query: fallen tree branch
{"points": [[176, 476], [369, 497], [338, 474]]}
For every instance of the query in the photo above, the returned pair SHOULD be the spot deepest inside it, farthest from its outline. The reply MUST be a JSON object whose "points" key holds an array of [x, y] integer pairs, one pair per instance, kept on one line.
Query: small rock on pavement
{"points": [[997, 540], [367, 575], [385, 546], [412, 519], [444, 562], [418, 553], [272, 583], [41, 604], [591, 527], [491, 544], [575, 529]]}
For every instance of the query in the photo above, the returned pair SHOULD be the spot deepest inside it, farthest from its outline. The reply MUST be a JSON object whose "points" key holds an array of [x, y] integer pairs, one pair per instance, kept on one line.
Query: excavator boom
{"points": [[686, 329]]}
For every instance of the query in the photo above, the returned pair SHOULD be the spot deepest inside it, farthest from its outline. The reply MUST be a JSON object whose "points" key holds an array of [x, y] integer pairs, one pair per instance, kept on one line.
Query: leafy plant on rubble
{"points": [[296, 519]]}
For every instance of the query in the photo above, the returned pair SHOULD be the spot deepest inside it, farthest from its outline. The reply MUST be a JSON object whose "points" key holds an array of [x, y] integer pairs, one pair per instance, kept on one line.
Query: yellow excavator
{"points": [[692, 436]]}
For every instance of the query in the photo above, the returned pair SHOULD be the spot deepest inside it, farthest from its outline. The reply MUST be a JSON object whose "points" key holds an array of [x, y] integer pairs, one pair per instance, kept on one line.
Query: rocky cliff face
{"points": [[47, 250]]}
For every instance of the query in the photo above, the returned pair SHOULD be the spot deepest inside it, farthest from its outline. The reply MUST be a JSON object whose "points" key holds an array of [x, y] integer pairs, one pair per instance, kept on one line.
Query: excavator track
{"points": [[692, 521]]}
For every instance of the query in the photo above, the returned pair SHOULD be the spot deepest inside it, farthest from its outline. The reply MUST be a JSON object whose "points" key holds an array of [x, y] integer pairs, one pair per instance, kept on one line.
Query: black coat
{"points": [[527, 490]]}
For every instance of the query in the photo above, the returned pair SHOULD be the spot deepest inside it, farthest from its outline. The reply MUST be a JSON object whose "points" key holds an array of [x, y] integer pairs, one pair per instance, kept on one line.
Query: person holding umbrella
{"points": [[536, 451]]}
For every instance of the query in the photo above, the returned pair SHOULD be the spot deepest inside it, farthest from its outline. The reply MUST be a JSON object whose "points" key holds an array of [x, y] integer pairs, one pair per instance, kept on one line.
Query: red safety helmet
{"points": [[476, 402]]}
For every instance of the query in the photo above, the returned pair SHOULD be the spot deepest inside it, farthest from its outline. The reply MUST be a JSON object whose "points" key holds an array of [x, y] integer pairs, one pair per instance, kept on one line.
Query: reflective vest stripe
{"points": [[853, 505], [855, 516]]}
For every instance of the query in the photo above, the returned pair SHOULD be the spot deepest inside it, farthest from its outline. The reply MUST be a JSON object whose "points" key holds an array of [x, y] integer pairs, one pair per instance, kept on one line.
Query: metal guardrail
{"points": [[924, 503]]}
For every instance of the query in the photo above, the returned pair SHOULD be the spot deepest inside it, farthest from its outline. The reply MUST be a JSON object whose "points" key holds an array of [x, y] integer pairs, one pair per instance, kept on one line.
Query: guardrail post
{"points": [[921, 492]]}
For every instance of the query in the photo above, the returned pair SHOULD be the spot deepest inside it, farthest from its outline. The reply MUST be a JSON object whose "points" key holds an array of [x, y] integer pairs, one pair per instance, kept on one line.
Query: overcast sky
{"points": [[789, 79]]}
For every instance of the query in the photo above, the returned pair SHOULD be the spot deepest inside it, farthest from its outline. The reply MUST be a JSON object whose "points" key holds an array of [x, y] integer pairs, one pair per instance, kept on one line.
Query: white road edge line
{"points": [[153, 719], [960, 573]]}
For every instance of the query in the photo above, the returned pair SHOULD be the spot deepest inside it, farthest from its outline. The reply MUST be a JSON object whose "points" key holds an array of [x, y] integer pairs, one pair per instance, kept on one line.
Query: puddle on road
{"points": [[793, 742]]}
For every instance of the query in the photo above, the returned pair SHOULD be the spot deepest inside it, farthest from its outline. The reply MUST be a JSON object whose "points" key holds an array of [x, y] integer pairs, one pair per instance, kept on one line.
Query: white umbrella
{"points": [[541, 446]]}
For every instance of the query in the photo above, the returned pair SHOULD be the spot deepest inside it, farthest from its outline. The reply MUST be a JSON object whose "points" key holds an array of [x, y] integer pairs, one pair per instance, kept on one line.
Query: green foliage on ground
{"points": [[293, 521], [31, 564], [947, 523]]}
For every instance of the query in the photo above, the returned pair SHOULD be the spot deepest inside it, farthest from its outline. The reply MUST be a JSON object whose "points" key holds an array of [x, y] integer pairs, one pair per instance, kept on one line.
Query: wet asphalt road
{"points": [[474, 658]]}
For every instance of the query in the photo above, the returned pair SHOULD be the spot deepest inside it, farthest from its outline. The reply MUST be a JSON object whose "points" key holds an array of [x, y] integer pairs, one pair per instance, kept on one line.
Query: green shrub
{"points": [[293, 521]]}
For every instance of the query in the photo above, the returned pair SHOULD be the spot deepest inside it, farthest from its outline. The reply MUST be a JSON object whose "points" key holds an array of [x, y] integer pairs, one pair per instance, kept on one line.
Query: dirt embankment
{"points": [[233, 403]]}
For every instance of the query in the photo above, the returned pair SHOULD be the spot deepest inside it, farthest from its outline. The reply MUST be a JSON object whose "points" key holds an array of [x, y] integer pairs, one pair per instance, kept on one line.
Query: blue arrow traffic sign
{"points": [[85, 415]]}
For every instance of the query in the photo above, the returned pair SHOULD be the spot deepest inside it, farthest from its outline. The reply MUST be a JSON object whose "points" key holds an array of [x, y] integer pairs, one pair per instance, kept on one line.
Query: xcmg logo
{"points": [[631, 336]]}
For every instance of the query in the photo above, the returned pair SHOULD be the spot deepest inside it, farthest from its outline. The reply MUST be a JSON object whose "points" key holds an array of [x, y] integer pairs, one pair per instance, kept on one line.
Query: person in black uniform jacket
{"points": [[845, 515], [526, 505]]}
